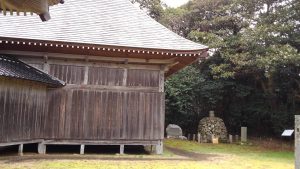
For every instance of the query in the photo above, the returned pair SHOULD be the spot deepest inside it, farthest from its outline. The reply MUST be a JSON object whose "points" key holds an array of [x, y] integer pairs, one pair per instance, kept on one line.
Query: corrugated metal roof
{"points": [[12, 67], [99, 22]]}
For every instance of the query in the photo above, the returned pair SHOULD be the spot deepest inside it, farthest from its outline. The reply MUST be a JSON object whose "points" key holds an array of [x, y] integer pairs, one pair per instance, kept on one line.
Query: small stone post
{"points": [[41, 148], [189, 137], [20, 150], [230, 139], [243, 134], [297, 142], [122, 149], [159, 148], [199, 138], [194, 137], [82, 147], [237, 138]]}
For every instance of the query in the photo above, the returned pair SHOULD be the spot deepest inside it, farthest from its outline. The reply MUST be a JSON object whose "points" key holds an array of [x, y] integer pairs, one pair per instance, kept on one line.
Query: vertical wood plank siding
{"points": [[68, 73], [105, 76], [85, 111], [146, 78], [102, 115], [22, 110]]}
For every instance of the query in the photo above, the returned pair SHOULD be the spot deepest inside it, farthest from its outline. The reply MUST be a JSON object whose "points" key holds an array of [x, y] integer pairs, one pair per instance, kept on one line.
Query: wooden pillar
{"points": [[159, 148], [297, 142], [86, 71], [243, 134], [41, 148], [82, 147], [46, 67], [121, 149], [20, 150]]}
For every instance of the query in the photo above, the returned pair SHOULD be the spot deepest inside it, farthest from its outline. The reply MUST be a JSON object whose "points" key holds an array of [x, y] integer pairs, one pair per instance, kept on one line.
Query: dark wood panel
{"points": [[22, 110], [105, 76], [147, 78], [104, 115], [68, 73]]}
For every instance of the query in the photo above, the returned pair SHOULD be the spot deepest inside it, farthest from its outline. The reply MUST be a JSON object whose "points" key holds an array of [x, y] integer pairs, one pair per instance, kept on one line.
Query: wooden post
{"points": [[121, 149], [243, 134], [199, 138], [297, 142], [194, 137], [159, 148], [82, 147], [20, 151], [230, 139], [41, 148]]}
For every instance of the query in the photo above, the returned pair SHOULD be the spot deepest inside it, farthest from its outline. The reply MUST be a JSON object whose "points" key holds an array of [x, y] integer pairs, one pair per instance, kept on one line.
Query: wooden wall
{"points": [[105, 103], [22, 110], [100, 102]]}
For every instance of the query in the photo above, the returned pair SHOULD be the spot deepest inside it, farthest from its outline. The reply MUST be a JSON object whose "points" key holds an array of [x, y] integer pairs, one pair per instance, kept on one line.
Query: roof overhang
{"points": [[39, 7], [172, 60]]}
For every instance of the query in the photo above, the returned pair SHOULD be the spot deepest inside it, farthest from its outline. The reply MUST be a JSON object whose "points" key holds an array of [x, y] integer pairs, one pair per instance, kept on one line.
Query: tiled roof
{"points": [[12, 67], [98, 22]]}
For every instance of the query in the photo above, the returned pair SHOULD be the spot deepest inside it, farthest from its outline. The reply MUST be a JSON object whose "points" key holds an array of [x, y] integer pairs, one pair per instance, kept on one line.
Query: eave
{"points": [[172, 60]]}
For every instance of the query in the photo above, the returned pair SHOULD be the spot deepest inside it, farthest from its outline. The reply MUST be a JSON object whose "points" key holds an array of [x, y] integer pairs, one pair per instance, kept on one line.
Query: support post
{"points": [[243, 134], [20, 150], [82, 147], [159, 148], [297, 142], [41, 148], [122, 149]]}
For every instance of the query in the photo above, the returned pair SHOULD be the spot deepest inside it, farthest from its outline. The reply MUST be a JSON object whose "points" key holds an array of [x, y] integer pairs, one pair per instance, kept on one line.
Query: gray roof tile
{"points": [[98, 22], [14, 68]]}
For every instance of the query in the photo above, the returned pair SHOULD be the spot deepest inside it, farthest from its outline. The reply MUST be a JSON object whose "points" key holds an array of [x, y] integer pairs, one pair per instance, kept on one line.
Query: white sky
{"points": [[175, 3]]}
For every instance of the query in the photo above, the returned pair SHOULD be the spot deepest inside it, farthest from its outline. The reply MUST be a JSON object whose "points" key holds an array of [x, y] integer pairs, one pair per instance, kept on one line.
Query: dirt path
{"points": [[192, 155]]}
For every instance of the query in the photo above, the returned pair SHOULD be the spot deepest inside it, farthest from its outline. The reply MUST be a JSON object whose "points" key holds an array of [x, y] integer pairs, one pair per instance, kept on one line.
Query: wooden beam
{"points": [[90, 63], [92, 58], [112, 88], [102, 142]]}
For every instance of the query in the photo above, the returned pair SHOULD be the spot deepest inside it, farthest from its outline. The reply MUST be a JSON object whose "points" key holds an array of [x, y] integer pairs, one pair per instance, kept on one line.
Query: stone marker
{"points": [[199, 138], [194, 137], [297, 142], [173, 131], [237, 139], [243, 134], [230, 139]]}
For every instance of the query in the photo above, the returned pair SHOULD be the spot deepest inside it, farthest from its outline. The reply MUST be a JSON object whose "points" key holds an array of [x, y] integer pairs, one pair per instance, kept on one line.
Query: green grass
{"points": [[229, 156]]}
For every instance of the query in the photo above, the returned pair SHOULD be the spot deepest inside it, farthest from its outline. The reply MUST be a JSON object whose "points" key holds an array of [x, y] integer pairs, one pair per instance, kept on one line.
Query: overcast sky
{"points": [[175, 3]]}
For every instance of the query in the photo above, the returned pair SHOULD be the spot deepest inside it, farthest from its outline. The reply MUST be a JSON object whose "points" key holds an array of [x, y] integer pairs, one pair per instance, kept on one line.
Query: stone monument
{"points": [[174, 131], [212, 126]]}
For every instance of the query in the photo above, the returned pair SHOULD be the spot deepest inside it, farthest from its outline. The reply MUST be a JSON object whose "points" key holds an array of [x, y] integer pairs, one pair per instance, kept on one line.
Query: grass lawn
{"points": [[225, 156]]}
